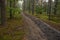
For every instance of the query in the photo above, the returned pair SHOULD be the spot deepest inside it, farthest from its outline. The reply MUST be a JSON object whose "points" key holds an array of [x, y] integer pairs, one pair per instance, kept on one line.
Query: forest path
{"points": [[39, 30], [33, 31]]}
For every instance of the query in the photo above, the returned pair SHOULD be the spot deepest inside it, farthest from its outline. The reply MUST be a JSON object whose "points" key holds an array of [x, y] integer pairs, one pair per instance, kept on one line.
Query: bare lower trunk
{"points": [[33, 1], [49, 9], [10, 9], [3, 12], [55, 7]]}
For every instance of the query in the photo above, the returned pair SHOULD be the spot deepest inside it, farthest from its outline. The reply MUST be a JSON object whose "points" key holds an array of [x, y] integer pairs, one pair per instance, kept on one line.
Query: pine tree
{"points": [[49, 9], [55, 7], [3, 12], [33, 2]]}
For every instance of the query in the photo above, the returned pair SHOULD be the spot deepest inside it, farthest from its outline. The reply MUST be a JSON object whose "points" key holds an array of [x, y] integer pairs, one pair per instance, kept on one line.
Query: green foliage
{"points": [[38, 9], [13, 8]]}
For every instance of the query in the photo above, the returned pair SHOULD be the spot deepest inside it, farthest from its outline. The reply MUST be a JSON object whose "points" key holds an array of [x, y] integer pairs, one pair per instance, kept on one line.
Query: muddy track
{"points": [[51, 33], [33, 31]]}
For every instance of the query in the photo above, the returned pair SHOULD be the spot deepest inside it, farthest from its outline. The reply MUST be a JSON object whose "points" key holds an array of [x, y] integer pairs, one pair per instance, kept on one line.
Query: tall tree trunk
{"points": [[14, 6], [41, 6], [11, 9], [55, 7], [33, 1], [24, 6], [3, 12], [49, 9], [29, 5]]}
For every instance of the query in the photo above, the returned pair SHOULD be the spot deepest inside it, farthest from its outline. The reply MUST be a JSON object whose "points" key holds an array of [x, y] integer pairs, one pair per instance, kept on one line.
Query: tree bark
{"points": [[3, 12], [33, 1], [29, 5], [49, 9], [55, 7], [24, 6], [11, 9]]}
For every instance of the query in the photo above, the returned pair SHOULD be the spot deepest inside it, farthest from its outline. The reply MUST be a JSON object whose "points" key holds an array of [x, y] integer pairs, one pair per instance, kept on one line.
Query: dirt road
{"points": [[33, 31], [39, 30]]}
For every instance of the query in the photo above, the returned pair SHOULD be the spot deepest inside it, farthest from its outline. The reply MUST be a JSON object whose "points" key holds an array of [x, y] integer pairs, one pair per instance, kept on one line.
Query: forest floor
{"points": [[14, 30]]}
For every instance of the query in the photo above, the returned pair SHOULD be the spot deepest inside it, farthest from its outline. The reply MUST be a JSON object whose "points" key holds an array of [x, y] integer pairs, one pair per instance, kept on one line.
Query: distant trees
{"points": [[50, 8], [7, 7], [29, 4], [53, 9]]}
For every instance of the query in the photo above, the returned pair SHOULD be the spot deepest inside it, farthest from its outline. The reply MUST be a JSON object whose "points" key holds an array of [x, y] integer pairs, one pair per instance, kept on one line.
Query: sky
{"points": [[20, 3], [47, 0]]}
